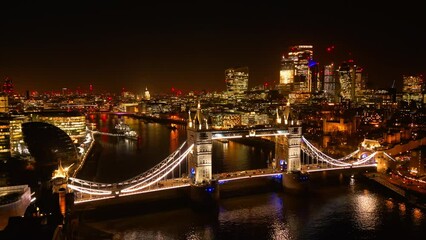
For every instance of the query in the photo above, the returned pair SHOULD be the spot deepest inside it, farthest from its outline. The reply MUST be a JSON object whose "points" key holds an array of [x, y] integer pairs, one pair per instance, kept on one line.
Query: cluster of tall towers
{"points": [[300, 74]]}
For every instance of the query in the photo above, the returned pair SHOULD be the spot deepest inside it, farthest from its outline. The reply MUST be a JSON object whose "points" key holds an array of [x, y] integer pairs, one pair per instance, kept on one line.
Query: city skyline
{"points": [[189, 46]]}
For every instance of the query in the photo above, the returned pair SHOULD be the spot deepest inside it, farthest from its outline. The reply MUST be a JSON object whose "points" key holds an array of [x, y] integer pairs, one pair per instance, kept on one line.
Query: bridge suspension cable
{"points": [[150, 176], [310, 149], [321, 156], [158, 175]]}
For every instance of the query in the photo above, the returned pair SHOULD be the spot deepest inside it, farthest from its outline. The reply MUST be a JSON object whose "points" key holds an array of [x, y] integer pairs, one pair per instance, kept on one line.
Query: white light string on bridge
{"points": [[323, 157], [319, 153], [336, 162], [89, 191], [364, 160], [163, 173], [153, 171], [96, 191]]}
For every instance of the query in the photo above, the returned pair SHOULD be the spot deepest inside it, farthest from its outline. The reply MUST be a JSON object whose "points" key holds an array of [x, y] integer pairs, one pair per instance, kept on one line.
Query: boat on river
{"points": [[122, 128]]}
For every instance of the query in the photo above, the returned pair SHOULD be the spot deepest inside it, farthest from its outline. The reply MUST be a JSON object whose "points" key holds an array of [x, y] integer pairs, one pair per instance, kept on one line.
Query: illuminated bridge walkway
{"points": [[162, 176]]}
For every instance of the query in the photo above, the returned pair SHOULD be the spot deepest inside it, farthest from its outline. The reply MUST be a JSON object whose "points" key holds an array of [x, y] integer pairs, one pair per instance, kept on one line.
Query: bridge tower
{"points": [[59, 183], [204, 189], [287, 148], [200, 159], [293, 179], [292, 145]]}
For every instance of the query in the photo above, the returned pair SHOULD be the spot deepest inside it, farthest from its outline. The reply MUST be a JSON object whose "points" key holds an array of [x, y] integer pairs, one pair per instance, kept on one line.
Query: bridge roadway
{"points": [[222, 178]]}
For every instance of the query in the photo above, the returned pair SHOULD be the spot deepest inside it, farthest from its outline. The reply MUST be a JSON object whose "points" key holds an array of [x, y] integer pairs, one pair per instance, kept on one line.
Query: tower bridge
{"points": [[195, 156]]}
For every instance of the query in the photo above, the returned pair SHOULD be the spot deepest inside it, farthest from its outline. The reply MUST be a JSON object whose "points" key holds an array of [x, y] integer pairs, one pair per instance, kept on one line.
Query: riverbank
{"points": [[416, 199]]}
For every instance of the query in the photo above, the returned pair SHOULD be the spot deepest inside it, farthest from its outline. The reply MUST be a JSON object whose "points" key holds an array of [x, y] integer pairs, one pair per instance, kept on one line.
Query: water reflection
{"points": [[366, 210], [389, 205], [174, 140], [402, 209], [418, 216]]}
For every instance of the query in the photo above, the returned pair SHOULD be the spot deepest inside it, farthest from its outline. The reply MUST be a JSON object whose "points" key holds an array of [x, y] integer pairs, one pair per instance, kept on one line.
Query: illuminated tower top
{"points": [[199, 121]]}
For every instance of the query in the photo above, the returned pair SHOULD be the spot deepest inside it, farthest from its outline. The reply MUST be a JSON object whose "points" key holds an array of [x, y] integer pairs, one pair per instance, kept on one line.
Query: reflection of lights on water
{"points": [[365, 210], [193, 236], [417, 216], [389, 204], [279, 230], [402, 208]]}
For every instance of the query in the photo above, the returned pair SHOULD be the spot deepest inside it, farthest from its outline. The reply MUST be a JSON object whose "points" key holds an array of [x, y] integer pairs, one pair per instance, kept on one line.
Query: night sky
{"points": [[47, 46]]}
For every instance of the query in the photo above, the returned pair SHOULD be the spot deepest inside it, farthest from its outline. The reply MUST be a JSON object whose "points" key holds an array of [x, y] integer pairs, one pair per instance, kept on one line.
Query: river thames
{"points": [[350, 209]]}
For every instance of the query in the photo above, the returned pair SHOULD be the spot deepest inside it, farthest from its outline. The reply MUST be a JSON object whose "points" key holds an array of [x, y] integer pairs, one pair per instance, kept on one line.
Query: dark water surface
{"points": [[353, 209]]}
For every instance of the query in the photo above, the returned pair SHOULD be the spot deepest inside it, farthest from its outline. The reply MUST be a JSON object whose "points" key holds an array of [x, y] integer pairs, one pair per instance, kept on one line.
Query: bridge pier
{"points": [[295, 181], [204, 195]]}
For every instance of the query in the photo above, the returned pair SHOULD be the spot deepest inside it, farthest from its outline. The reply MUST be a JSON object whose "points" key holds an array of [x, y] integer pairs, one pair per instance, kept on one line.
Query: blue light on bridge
{"points": [[364, 155], [193, 171], [209, 189], [278, 176]]}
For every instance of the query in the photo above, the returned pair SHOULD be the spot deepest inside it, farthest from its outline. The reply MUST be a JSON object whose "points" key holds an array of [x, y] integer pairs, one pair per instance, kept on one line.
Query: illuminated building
{"points": [[73, 123], [252, 118], [16, 137], [4, 103], [316, 84], [286, 75], [8, 86], [360, 81], [225, 120], [330, 86], [4, 141], [236, 81], [339, 125], [412, 88], [417, 164], [377, 98], [146, 94], [346, 78], [14, 141], [300, 55], [351, 80]]}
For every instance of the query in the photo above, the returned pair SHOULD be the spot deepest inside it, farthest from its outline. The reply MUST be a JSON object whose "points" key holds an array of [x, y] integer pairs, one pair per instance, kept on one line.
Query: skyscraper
{"points": [[236, 81], [8, 86], [351, 79], [301, 55], [330, 86], [4, 103], [412, 88], [286, 75]]}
